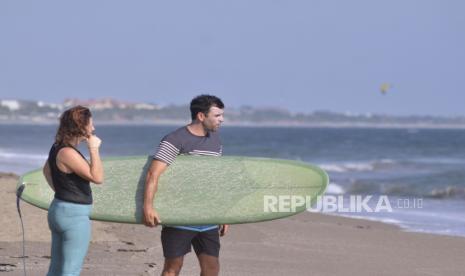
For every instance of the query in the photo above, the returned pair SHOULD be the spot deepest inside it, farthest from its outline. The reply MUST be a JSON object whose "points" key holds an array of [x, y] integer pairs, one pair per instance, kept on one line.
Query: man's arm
{"points": [[223, 229], [151, 217]]}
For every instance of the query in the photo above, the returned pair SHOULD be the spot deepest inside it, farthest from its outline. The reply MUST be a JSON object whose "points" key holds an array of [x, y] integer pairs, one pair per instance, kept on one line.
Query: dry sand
{"points": [[305, 244]]}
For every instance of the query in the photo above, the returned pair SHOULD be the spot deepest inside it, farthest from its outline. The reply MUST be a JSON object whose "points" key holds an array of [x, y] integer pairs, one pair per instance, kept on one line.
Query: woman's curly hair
{"points": [[73, 123]]}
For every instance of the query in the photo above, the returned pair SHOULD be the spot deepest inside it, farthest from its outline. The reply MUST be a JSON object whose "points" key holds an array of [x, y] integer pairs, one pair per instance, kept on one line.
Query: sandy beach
{"points": [[305, 244]]}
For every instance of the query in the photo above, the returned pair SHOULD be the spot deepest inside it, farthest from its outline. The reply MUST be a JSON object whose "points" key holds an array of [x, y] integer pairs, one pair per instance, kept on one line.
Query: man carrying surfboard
{"points": [[200, 137]]}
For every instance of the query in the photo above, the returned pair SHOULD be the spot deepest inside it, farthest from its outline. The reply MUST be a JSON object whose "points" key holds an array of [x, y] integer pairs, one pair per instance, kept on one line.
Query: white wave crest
{"points": [[334, 189], [21, 156], [355, 166]]}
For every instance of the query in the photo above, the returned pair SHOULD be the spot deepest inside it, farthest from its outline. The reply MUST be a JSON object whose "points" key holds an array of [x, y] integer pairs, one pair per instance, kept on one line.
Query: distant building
{"points": [[144, 106], [12, 105], [109, 103]]}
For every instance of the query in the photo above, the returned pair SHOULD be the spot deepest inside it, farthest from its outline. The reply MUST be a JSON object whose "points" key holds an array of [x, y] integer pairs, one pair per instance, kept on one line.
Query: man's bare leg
{"points": [[209, 265], [172, 266]]}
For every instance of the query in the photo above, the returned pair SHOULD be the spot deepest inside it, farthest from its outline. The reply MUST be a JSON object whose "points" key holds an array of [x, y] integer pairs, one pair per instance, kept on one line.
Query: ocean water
{"points": [[421, 172]]}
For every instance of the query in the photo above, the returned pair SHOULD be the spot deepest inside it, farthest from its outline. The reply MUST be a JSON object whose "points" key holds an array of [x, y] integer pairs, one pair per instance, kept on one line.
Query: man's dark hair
{"points": [[202, 103]]}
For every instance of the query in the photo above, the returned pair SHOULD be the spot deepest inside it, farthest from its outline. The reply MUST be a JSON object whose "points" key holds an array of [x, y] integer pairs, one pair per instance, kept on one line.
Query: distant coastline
{"points": [[255, 125], [112, 112]]}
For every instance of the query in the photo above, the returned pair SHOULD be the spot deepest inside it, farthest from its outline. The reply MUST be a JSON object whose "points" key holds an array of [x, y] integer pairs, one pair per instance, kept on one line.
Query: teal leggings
{"points": [[71, 232]]}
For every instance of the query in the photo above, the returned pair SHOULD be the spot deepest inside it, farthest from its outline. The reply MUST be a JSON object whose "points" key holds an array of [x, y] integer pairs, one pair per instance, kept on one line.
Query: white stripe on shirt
{"points": [[167, 144], [204, 154], [166, 152]]}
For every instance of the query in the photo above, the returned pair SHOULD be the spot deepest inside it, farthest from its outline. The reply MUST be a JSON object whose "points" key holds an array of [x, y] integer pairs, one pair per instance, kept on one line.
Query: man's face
{"points": [[213, 119]]}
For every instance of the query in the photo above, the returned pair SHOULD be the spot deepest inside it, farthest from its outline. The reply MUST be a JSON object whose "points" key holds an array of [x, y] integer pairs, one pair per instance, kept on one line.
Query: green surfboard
{"points": [[197, 190]]}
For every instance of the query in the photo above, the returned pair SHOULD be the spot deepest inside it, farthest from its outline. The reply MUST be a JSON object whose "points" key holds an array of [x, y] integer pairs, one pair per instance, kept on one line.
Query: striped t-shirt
{"points": [[182, 141]]}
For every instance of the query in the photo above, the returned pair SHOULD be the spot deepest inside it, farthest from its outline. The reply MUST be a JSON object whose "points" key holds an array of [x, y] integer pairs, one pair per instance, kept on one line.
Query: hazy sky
{"points": [[301, 55]]}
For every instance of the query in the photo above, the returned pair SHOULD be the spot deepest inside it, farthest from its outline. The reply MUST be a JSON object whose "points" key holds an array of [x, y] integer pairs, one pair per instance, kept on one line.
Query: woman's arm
{"points": [[72, 161]]}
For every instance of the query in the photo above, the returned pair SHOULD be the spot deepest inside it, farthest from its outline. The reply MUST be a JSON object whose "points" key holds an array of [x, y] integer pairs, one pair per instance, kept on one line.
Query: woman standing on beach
{"points": [[69, 174]]}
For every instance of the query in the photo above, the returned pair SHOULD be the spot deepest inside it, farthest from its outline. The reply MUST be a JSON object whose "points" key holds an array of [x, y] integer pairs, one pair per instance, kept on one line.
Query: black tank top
{"points": [[68, 186]]}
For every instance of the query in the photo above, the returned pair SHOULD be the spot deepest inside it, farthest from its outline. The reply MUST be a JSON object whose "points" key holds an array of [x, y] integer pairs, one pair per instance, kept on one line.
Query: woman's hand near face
{"points": [[96, 167], [93, 142]]}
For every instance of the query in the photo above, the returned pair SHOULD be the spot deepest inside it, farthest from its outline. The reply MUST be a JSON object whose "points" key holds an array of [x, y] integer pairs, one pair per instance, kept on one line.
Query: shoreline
{"points": [[322, 244]]}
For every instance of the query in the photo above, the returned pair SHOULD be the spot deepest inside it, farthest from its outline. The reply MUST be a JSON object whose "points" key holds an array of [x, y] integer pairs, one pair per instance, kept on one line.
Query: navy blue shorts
{"points": [[177, 242]]}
